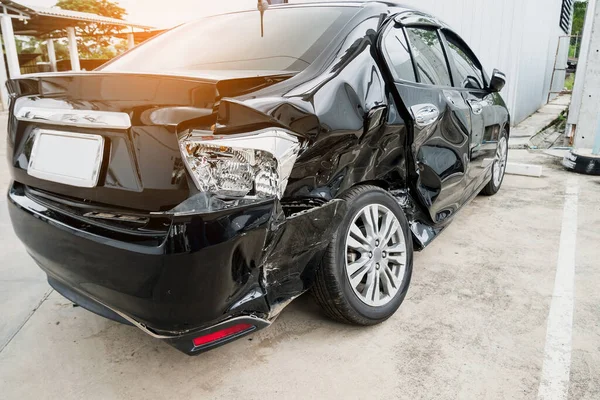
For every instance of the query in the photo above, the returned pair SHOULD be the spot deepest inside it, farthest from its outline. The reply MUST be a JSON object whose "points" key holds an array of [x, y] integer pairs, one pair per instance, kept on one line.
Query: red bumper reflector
{"points": [[222, 334]]}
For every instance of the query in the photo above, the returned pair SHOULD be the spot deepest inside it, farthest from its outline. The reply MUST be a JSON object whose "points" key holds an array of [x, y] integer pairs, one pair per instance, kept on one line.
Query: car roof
{"points": [[342, 3], [377, 7], [397, 8]]}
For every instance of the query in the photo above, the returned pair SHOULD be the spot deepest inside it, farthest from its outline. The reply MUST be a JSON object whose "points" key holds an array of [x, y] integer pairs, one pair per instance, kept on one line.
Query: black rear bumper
{"points": [[177, 276], [86, 302], [203, 271], [183, 341]]}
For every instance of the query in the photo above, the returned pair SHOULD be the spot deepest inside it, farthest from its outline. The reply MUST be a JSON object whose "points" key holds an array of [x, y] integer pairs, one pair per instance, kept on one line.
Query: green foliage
{"points": [[96, 40], [61, 50], [29, 45], [105, 8], [570, 82], [579, 17]]}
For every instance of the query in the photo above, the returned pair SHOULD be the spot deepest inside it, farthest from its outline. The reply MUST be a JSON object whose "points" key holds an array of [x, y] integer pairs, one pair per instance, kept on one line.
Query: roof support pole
{"points": [[3, 79], [130, 40], [12, 57], [51, 54], [585, 103], [73, 53]]}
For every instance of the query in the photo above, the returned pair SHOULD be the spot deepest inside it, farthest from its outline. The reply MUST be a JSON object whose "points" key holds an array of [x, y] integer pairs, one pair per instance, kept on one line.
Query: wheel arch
{"points": [[507, 127]]}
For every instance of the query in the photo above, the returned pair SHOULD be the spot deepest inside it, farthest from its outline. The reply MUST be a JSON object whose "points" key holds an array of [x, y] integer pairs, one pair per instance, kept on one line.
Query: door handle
{"points": [[425, 114], [476, 106]]}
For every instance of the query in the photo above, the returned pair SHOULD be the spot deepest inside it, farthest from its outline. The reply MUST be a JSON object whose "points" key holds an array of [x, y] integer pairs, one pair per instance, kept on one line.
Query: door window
{"points": [[470, 76], [429, 56], [398, 56]]}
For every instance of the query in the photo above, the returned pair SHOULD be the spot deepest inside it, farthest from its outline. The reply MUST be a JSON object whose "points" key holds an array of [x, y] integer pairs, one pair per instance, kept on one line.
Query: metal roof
{"points": [[83, 16], [43, 20]]}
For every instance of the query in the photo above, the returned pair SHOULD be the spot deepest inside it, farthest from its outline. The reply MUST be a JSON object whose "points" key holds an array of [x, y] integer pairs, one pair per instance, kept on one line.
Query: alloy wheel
{"points": [[500, 161], [375, 255]]}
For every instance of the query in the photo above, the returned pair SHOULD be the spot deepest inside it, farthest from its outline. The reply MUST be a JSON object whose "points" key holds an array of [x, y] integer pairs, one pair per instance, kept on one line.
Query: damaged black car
{"points": [[196, 185]]}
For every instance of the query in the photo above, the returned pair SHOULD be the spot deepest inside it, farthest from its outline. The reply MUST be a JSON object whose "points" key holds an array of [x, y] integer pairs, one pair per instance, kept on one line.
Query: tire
{"points": [[583, 162], [333, 289], [498, 167]]}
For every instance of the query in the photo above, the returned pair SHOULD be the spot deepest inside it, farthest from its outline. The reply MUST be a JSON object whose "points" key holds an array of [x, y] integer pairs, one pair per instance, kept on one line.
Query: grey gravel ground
{"points": [[473, 325]]}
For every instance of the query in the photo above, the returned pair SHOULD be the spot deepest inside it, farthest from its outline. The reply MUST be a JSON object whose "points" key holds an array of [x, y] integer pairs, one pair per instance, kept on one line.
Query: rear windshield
{"points": [[293, 39]]}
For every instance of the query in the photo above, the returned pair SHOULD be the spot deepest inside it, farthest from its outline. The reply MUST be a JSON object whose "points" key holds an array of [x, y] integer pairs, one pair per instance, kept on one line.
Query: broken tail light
{"points": [[256, 165]]}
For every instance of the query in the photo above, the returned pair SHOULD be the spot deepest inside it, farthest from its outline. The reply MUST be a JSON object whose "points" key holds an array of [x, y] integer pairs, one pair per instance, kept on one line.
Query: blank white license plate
{"points": [[65, 157]]}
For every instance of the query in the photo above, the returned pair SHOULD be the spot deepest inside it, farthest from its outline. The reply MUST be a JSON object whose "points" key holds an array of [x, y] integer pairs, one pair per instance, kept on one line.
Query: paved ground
{"points": [[521, 135], [473, 325]]}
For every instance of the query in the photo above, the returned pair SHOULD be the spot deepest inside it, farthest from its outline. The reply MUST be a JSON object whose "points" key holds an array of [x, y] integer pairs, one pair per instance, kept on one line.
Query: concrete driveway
{"points": [[475, 324]]}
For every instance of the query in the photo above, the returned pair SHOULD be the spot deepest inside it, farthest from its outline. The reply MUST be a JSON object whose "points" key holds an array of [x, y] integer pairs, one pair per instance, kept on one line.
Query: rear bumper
{"points": [[89, 304], [180, 276], [183, 341], [202, 273]]}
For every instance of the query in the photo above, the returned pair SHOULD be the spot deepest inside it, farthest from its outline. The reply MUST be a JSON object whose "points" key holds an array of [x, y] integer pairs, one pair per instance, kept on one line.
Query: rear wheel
{"points": [[498, 167], [366, 271]]}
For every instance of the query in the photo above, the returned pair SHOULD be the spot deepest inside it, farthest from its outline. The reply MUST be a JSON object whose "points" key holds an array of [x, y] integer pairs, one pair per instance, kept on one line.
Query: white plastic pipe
{"points": [[12, 57], [73, 53], [52, 54], [130, 40], [3, 79]]}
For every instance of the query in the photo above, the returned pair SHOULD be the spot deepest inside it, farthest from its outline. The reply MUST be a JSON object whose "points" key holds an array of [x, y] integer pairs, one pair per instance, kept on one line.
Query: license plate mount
{"points": [[69, 158]]}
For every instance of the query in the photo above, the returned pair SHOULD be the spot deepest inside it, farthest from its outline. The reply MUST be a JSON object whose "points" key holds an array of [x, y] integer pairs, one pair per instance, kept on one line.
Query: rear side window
{"points": [[429, 56], [398, 56], [470, 76]]}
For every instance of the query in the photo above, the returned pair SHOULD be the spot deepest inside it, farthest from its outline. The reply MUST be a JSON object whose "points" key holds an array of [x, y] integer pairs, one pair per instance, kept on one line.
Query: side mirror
{"points": [[498, 81]]}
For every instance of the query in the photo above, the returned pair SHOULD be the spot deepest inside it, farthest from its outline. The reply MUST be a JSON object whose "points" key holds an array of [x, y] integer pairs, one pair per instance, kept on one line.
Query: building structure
{"points": [[17, 19]]}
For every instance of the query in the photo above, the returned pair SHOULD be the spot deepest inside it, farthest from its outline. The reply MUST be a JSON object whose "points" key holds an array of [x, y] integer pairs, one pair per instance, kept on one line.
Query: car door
{"points": [[470, 79], [441, 119]]}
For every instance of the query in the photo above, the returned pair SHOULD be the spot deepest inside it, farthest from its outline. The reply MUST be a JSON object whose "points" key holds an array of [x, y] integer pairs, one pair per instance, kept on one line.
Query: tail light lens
{"points": [[256, 164], [222, 334]]}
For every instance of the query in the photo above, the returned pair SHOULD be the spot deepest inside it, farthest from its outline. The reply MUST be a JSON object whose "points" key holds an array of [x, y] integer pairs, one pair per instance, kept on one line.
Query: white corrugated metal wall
{"points": [[519, 37]]}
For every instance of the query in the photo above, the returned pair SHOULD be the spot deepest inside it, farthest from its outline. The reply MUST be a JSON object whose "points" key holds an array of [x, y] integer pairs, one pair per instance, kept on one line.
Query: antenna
{"points": [[263, 5]]}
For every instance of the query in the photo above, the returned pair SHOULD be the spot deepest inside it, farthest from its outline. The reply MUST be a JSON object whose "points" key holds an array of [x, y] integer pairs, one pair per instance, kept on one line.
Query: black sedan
{"points": [[197, 184]]}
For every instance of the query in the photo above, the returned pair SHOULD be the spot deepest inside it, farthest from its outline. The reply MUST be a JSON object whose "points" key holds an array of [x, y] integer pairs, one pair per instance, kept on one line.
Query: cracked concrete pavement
{"points": [[473, 325]]}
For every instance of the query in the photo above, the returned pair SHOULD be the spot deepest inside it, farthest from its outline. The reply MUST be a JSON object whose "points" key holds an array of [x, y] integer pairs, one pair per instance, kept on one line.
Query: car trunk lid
{"points": [[136, 116]]}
